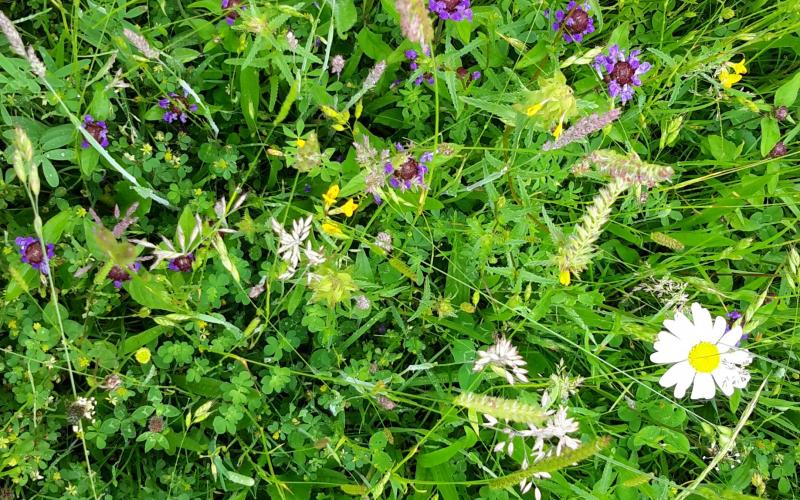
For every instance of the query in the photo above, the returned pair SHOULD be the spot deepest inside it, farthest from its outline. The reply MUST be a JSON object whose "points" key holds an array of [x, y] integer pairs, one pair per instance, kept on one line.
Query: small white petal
{"points": [[724, 379], [681, 327], [719, 329], [704, 387], [702, 322], [680, 375], [729, 340], [737, 357], [666, 354]]}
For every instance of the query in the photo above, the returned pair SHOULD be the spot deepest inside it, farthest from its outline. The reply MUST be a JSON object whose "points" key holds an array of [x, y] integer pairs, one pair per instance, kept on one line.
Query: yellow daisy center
{"points": [[704, 357]]}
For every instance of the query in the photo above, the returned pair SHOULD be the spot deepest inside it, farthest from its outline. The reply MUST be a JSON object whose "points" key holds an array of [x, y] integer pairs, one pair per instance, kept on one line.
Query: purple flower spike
{"points": [[177, 107], [621, 73], [410, 173], [453, 10], [184, 263], [575, 22], [411, 54], [97, 129], [30, 249], [119, 275]]}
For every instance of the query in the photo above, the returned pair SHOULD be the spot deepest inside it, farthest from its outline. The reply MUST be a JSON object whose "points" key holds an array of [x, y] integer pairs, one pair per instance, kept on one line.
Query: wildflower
{"points": [[337, 64], [290, 244], [476, 75], [81, 409], [332, 229], [414, 21], [182, 263], [362, 302], [30, 249], [232, 8], [585, 126], [119, 275], [386, 403], [622, 73], [155, 424], [180, 258], [454, 10], [97, 129], [553, 103], [332, 286], [374, 75], [12, 35], [111, 382], [177, 107], [291, 40], [778, 150], [424, 78], [499, 356], [411, 55], [728, 79], [575, 22], [330, 195], [781, 113], [140, 43], [410, 172], [349, 208], [142, 355], [384, 241], [701, 353]]}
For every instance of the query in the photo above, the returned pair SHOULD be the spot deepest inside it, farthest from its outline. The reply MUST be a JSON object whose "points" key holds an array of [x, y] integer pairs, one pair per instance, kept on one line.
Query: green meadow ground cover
{"points": [[399, 249]]}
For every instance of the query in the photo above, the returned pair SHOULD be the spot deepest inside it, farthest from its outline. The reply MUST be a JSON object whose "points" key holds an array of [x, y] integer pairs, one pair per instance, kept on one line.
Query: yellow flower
{"points": [[300, 143], [728, 79], [332, 229], [564, 278], [147, 149], [276, 435], [532, 110], [739, 68], [83, 362], [37, 326], [198, 192], [143, 355], [330, 196], [80, 212], [349, 208], [12, 324], [168, 155], [559, 128]]}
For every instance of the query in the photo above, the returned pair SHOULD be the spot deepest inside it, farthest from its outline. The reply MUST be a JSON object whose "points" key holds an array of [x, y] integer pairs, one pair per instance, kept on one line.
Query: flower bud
{"points": [[778, 150], [781, 113]]}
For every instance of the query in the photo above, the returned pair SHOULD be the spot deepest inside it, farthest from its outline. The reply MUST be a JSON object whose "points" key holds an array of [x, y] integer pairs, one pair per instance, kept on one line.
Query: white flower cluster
{"points": [[503, 359], [291, 247]]}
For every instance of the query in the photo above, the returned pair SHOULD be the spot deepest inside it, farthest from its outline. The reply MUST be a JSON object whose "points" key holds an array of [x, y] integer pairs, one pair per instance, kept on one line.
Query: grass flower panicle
{"points": [[621, 72], [12, 35], [374, 75], [414, 21], [629, 169], [384, 241], [585, 126], [703, 355], [574, 22], [141, 43]]}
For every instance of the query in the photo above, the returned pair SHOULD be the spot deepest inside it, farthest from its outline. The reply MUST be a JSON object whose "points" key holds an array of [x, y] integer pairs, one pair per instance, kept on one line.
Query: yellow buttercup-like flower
{"points": [[728, 79], [349, 208], [739, 68], [143, 355], [330, 196]]}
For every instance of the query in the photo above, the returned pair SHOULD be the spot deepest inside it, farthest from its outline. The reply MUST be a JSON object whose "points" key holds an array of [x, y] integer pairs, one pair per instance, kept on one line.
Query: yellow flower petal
{"points": [[349, 208], [728, 79], [300, 143], [330, 196], [532, 110], [558, 130], [739, 67], [332, 229], [564, 278], [143, 355]]}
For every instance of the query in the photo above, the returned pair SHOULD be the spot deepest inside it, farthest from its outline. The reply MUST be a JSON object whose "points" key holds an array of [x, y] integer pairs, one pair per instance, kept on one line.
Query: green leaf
{"points": [[373, 45], [438, 457], [770, 134], [251, 95], [144, 289], [345, 14], [787, 93], [239, 478], [133, 343], [287, 103], [50, 173]]}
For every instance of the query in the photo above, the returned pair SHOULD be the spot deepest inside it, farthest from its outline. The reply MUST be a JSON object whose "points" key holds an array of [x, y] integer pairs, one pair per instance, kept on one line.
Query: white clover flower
{"points": [[702, 353], [504, 359]]}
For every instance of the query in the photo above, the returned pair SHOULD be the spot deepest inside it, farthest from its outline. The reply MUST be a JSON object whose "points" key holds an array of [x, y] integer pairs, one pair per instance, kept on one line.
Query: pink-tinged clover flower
{"points": [[409, 173], [30, 249], [453, 10], [232, 8], [574, 21], [177, 107], [621, 73], [97, 129]]}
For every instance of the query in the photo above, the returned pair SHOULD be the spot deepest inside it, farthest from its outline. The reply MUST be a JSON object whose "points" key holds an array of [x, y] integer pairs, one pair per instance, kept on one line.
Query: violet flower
{"points": [[232, 7], [410, 173], [184, 263], [119, 275], [97, 129], [621, 73], [411, 55], [177, 107], [575, 22], [30, 248], [453, 10]]}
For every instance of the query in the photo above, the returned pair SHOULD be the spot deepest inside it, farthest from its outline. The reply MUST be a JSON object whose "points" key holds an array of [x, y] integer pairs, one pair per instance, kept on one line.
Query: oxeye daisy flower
{"points": [[454, 10], [232, 8], [409, 172], [574, 21], [621, 73], [177, 107], [97, 129], [702, 354], [30, 249], [504, 360]]}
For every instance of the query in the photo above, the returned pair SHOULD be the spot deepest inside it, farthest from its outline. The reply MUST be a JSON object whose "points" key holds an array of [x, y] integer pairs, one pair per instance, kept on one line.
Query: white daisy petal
{"points": [[681, 327], [724, 379], [718, 330], [729, 340], [702, 322], [669, 353], [678, 374], [737, 357], [704, 387]]}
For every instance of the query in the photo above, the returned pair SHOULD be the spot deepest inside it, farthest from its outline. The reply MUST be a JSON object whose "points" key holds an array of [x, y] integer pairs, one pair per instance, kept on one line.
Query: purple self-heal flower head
{"points": [[574, 21], [119, 275], [409, 173], [454, 10], [411, 54], [232, 7], [621, 73], [476, 75], [97, 129], [177, 107], [184, 263], [30, 249]]}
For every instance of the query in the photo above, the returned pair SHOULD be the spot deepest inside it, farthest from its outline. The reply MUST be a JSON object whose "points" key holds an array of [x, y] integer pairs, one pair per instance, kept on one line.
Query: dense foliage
{"points": [[399, 249]]}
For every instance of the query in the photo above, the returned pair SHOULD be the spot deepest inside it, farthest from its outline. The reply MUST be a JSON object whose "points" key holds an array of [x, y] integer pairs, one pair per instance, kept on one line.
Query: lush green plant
{"points": [[399, 249]]}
